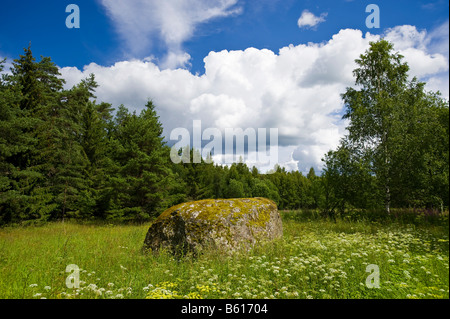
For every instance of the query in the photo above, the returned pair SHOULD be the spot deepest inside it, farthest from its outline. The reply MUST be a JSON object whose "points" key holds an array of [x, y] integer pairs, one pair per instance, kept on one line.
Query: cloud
{"points": [[296, 90], [309, 20], [426, 53], [439, 39], [141, 22], [433, 5], [7, 65]]}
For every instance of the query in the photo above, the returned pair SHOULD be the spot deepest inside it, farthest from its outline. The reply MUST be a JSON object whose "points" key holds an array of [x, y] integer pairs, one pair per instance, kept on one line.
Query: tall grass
{"points": [[316, 258], [402, 216]]}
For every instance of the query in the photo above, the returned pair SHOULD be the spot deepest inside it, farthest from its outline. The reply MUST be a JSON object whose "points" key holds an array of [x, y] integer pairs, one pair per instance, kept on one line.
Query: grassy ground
{"points": [[315, 259]]}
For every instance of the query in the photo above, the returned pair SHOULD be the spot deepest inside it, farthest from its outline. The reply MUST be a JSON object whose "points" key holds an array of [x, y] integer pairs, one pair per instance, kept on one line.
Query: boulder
{"points": [[224, 225]]}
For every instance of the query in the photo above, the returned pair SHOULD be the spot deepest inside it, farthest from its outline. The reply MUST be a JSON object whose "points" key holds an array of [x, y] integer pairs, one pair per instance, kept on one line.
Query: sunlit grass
{"points": [[315, 259]]}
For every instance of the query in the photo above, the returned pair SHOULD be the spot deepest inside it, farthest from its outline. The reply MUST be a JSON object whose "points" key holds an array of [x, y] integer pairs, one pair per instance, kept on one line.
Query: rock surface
{"points": [[225, 224]]}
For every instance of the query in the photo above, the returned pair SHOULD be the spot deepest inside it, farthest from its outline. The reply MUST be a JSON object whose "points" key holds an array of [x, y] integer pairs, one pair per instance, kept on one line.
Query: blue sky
{"points": [[231, 63], [270, 24]]}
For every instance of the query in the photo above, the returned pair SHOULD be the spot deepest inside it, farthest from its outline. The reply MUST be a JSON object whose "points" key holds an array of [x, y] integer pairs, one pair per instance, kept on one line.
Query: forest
{"points": [[63, 155]]}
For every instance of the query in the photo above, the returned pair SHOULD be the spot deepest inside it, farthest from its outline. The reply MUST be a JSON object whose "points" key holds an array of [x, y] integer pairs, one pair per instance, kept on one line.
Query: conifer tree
{"points": [[141, 179], [26, 91]]}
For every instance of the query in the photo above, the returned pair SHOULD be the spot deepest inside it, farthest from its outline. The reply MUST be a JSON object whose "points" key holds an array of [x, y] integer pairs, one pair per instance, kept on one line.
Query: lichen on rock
{"points": [[223, 224]]}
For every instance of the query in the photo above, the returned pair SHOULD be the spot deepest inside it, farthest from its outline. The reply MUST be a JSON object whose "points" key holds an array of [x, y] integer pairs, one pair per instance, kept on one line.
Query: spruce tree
{"points": [[23, 95], [141, 178]]}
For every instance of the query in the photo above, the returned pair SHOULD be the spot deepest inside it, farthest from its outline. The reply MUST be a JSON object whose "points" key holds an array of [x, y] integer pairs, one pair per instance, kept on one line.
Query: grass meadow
{"points": [[316, 259]]}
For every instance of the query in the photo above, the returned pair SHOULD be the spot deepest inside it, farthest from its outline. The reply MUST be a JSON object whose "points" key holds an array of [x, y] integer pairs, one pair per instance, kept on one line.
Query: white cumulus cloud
{"points": [[296, 90], [309, 20], [426, 53]]}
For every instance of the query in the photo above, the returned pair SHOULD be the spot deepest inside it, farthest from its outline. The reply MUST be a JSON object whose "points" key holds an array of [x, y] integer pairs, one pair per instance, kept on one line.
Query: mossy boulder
{"points": [[224, 225]]}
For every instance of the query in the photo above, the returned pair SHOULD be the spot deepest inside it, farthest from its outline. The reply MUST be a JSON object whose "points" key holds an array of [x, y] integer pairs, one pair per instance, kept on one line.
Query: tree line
{"points": [[64, 155]]}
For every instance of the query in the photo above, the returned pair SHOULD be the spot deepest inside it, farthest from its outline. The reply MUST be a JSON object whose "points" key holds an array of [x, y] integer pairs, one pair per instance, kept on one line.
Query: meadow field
{"points": [[316, 259]]}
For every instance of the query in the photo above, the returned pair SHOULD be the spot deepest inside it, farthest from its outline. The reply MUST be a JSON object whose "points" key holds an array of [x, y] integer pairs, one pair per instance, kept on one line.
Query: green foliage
{"points": [[141, 178], [397, 148], [235, 189], [21, 197], [348, 181], [64, 156]]}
